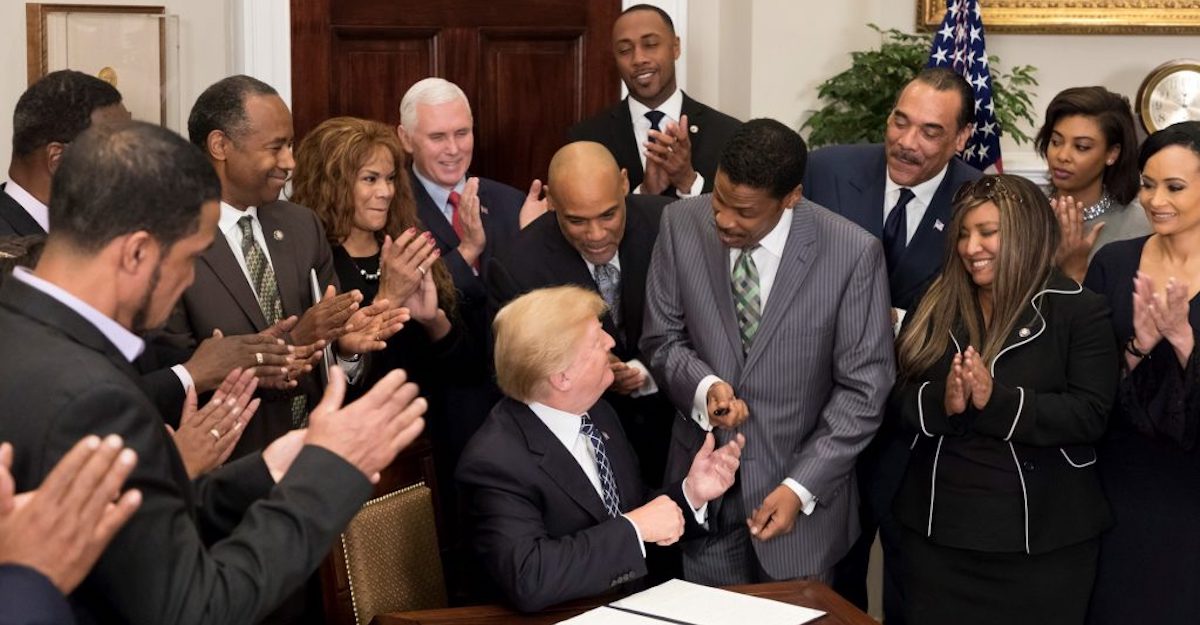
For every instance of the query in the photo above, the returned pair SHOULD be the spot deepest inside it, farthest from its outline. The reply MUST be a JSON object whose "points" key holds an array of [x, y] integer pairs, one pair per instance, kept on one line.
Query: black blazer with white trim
{"points": [[1020, 474]]}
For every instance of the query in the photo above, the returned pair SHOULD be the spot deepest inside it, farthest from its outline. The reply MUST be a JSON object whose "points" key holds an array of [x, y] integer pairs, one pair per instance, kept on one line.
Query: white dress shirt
{"points": [[914, 212], [766, 259], [129, 344], [566, 428], [648, 386], [673, 110], [38, 211]]}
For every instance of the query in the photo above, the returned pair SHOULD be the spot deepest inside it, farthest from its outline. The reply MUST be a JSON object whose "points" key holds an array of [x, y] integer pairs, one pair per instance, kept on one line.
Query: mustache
{"points": [[908, 156]]}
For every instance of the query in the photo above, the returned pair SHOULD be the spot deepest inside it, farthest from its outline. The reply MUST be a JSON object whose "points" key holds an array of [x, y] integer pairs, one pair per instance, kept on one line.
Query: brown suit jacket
{"points": [[221, 298]]}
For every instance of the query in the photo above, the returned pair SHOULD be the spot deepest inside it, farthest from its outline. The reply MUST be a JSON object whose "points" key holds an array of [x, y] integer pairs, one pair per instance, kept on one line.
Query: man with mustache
{"points": [[668, 142], [901, 192]]}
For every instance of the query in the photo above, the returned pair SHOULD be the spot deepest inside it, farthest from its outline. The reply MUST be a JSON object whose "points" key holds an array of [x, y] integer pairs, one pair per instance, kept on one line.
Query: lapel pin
{"points": [[694, 128], [604, 434], [938, 225], [278, 234], [1024, 333]]}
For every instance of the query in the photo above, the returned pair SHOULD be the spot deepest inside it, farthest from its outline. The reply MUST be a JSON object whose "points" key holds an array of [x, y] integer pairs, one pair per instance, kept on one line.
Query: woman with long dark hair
{"points": [[1150, 461], [1007, 370]]}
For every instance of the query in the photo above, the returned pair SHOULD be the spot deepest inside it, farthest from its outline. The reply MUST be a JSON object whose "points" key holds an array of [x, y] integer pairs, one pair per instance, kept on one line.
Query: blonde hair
{"points": [[327, 164], [537, 335], [1029, 236]]}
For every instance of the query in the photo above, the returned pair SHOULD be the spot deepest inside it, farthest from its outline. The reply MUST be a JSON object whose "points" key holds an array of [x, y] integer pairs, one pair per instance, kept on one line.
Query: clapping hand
{"points": [[535, 203], [1077, 239], [473, 238], [977, 378], [1169, 312], [957, 390], [370, 328], [671, 151], [301, 359], [206, 436], [327, 319], [404, 262]]}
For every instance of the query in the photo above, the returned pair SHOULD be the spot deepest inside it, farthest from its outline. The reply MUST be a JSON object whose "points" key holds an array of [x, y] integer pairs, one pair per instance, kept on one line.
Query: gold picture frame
{"points": [[126, 46], [1159, 17]]}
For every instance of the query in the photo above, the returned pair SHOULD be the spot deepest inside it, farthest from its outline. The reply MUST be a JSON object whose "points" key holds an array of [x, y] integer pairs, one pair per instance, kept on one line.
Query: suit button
{"points": [[1027, 465]]}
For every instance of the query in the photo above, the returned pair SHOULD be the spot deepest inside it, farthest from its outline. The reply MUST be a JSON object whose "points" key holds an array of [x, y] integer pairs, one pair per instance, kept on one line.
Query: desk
{"points": [[808, 594]]}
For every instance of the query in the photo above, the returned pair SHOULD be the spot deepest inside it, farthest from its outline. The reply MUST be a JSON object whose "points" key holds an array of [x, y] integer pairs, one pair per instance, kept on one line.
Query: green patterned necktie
{"points": [[746, 300], [266, 289]]}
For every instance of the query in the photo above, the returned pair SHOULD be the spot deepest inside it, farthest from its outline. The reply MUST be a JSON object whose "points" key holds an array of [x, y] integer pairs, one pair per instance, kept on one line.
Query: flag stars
{"points": [[939, 56]]}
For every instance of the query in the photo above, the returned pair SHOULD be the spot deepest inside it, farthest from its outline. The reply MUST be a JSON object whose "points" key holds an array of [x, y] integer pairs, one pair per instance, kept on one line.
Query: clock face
{"points": [[1170, 94], [1176, 98]]}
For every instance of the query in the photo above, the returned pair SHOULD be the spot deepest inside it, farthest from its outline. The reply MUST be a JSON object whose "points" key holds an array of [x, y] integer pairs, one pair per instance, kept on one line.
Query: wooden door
{"points": [[531, 68]]}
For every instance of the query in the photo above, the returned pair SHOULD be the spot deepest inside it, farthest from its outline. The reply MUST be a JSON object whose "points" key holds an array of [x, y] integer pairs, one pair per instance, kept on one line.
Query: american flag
{"points": [[959, 46]]}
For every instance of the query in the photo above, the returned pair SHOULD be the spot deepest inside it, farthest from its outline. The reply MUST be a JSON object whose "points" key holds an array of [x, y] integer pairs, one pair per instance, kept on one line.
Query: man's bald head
{"points": [[587, 193]]}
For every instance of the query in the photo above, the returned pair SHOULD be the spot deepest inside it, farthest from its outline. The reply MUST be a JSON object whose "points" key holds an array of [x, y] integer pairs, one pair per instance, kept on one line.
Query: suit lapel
{"points": [[12, 212], [923, 254], [432, 218], [716, 259], [864, 201], [695, 115], [636, 248], [557, 463], [283, 257], [224, 265], [624, 143], [624, 465], [793, 267]]}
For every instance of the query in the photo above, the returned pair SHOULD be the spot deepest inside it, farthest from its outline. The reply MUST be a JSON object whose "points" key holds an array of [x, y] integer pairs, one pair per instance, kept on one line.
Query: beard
{"points": [[143, 311]]}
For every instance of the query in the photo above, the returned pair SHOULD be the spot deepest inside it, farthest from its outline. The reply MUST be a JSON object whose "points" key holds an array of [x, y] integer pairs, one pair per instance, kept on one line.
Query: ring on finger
{"points": [[215, 434], [258, 357], [421, 269]]}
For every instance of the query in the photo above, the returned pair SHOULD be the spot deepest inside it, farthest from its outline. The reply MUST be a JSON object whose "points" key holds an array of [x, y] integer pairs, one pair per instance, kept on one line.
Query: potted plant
{"points": [[858, 100]]}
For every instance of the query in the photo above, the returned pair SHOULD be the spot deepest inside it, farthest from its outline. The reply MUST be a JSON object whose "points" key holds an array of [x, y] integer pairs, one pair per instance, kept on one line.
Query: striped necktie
{"points": [[746, 300], [608, 483]]}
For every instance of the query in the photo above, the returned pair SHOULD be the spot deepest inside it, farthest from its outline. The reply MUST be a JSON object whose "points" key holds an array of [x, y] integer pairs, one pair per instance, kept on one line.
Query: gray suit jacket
{"points": [[816, 376]]}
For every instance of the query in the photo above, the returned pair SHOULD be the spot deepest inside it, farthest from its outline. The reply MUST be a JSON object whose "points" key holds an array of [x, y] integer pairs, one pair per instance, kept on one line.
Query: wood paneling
{"points": [[531, 68]]}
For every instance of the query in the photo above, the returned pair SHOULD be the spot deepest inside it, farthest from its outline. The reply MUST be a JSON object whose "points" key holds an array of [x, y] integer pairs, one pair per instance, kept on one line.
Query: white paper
{"points": [[701, 605], [607, 616]]}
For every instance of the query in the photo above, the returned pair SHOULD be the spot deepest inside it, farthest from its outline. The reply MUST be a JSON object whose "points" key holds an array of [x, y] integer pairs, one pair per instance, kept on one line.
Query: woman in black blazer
{"points": [[1007, 373], [1149, 569]]}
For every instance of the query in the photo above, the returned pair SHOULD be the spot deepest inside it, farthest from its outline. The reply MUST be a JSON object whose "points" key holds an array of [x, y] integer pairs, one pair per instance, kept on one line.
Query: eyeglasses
{"points": [[987, 188]]}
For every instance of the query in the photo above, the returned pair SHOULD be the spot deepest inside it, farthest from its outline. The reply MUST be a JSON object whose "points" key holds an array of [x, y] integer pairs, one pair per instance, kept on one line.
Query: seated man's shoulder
{"points": [[496, 195], [842, 153], [494, 447]]}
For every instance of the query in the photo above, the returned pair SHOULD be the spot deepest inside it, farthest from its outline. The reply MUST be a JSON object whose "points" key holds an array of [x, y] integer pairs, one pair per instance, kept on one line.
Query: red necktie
{"points": [[456, 220]]}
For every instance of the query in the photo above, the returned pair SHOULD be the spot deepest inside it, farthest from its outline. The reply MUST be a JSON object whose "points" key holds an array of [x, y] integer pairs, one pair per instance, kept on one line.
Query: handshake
{"points": [[661, 521]]}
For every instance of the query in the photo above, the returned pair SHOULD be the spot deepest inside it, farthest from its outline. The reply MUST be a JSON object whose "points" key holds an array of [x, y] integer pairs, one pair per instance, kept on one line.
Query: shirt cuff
{"points": [[700, 403], [648, 387], [701, 513], [808, 502], [900, 313], [185, 378], [697, 187], [641, 545]]}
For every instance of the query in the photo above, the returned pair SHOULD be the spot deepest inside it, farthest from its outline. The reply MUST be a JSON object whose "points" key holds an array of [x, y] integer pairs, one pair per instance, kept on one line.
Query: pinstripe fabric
{"points": [[815, 378]]}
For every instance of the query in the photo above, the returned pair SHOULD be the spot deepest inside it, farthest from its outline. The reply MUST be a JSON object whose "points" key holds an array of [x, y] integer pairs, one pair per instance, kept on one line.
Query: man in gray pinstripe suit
{"points": [[768, 315]]}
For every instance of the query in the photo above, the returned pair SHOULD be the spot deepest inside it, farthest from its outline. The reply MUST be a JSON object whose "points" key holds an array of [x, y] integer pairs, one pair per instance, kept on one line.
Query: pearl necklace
{"points": [[369, 277]]}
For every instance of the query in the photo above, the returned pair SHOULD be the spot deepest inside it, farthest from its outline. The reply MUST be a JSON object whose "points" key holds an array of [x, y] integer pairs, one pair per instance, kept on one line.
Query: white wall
{"points": [[204, 40], [774, 53]]}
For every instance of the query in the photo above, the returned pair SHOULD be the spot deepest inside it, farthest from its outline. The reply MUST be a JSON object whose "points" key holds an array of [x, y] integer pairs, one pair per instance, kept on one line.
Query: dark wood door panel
{"points": [[374, 67], [465, 13]]}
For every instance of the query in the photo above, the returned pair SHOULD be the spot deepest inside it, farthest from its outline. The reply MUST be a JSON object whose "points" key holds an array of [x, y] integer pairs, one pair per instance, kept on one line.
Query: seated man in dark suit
{"points": [[668, 142], [133, 206], [901, 192], [51, 537], [599, 238], [557, 508]]}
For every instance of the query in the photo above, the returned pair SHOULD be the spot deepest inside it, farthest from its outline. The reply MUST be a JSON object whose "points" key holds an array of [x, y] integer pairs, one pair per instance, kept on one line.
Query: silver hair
{"points": [[429, 91]]}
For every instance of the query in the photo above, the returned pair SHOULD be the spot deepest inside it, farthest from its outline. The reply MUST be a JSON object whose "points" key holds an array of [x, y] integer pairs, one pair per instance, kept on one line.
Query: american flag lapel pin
{"points": [[604, 434], [938, 225]]}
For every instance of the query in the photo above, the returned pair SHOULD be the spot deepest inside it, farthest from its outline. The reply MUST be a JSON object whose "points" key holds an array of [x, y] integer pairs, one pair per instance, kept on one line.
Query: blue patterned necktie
{"points": [[608, 483], [895, 230], [747, 302], [655, 118], [608, 280]]}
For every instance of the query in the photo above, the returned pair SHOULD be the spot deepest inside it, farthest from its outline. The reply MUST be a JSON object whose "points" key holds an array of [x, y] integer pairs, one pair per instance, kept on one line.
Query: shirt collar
{"points": [[38, 211], [777, 238], [673, 108], [563, 425], [230, 216], [922, 192], [615, 262], [440, 194], [129, 344]]}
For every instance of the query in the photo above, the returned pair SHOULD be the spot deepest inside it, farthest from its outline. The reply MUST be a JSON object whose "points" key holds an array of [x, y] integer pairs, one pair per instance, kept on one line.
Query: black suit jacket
{"points": [[850, 181], [221, 298], [614, 129], [539, 526], [224, 549], [28, 598], [14, 220], [1019, 474], [543, 257]]}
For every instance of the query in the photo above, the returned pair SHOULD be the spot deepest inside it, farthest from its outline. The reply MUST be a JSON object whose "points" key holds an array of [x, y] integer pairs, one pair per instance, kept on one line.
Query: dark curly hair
{"points": [[222, 107], [765, 154], [57, 108]]}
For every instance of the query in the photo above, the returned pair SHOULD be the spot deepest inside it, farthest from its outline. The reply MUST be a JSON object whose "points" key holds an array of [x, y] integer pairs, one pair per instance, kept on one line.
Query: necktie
{"points": [[895, 230], [655, 118], [608, 279], [456, 220], [746, 301], [608, 484], [266, 290]]}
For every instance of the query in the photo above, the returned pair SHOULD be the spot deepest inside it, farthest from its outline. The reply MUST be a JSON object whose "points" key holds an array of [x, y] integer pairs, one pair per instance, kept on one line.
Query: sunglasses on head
{"points": [[987, 188]]}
